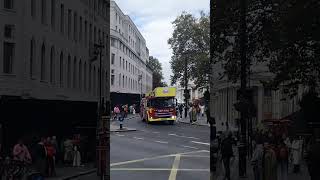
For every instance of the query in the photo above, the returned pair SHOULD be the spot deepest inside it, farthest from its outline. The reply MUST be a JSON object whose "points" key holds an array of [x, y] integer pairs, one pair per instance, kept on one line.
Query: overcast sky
{"points": [[153, 18]]}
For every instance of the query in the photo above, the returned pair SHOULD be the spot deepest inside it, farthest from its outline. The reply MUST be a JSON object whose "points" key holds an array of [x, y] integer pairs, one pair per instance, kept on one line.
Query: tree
{"points": [[157, 76], [190, 42]]}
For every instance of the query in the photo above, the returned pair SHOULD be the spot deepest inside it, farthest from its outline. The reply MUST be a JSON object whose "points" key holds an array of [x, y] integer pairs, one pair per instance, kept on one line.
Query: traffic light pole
{"points": [[186, 95]]}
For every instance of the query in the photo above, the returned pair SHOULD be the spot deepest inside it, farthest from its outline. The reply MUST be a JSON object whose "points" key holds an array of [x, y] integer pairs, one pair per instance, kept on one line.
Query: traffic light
{"points": [[186, 93]]}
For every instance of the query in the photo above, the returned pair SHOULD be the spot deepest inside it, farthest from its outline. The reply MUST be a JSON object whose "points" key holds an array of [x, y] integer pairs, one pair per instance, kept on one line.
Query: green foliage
{"points": [[190, 42], [156, 67]]}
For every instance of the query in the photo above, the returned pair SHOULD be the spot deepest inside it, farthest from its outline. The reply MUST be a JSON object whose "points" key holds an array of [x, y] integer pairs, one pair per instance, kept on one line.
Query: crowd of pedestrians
{"points": [[43, 154], [120, 112], [272, 155]]}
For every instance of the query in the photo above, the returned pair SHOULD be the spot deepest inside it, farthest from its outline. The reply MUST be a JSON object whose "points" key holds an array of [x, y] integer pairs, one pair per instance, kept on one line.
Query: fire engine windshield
{"points": [[162, 102]]}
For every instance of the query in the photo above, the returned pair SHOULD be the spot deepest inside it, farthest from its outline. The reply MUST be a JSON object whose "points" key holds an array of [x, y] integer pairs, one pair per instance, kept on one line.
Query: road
{"points": [[159, 152]]}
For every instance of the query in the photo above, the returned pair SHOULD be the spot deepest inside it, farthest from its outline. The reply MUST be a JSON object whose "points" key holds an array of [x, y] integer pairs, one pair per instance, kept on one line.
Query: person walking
{"points": [[202, 108], [21, 152], [116, 111], [313, 159], [68, 151], [283, 159], [40, 157], [256, 160], [296, 154], [227, 154], [76, 156], [51, 152], [269, 163], [122, 116], [194, 114]]}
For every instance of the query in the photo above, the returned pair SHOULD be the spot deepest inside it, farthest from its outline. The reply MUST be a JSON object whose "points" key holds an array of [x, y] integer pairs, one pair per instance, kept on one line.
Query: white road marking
{"points": [[156, 132], [153, 158], [155, 169], [196, 142], [175, 166], [162, 142], [190, 147], [120, 135], [183, 136], [138, 138]]}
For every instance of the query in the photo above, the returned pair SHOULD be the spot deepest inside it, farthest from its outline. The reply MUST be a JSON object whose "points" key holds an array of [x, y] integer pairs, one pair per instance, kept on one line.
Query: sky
{"points": [[154, 20]]}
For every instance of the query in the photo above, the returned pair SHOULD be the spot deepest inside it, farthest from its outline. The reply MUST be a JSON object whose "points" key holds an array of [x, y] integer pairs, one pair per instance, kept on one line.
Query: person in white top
{"points": [[202, 107], [296, 148]]}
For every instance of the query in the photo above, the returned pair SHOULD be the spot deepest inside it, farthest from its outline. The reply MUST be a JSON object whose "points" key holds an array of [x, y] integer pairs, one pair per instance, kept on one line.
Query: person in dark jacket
{"points": [[40, 157], [313, 159], [227, 153]]}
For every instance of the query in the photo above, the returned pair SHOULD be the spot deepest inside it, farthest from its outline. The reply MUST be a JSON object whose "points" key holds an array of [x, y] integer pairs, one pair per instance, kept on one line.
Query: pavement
{"points": [[201, 121], [160, 151]]}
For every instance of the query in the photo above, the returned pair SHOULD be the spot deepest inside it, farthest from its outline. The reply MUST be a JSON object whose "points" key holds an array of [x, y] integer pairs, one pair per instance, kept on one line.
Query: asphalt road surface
{"points": [[159, 152]]}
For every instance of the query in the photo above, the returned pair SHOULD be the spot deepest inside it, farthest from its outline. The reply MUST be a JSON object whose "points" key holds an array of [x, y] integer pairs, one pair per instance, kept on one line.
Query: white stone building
{"points": [[195, 93], [48, 83], [129, 56], [44, 48], [269, 104]]}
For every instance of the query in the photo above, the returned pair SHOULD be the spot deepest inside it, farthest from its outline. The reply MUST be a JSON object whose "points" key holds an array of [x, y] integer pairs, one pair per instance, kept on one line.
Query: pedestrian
{"points": [[122, 116], [51, 152], [76, 156], [313, 159], [125, 108], [269, 163], [256, 160], [227, 154], [68, 145], [194, 114], [21, 152], [56, 147], [282, 157], [40, 157], [202, 107], [116, 111], [296, 154]]}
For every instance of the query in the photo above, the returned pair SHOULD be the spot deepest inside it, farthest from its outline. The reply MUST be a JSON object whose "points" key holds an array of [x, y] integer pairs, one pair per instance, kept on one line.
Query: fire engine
{"points": [[159, 105]]}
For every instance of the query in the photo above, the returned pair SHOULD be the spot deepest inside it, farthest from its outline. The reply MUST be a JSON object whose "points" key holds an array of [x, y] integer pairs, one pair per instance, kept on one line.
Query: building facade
{"points": [[130, 75], [270, 104], [49, 81], [195, 93]]}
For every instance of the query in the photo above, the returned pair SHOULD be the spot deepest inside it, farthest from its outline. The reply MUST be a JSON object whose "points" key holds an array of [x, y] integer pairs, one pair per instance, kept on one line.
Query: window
{"points": [[113, 42], [90, 33], [85, 32], [80, 29], [119, 80], [74, 72], [8, 55], [75, 26], [9, 31], [69, 72], [126, 81], [112, 80], [61, 70], [123, 63], [62, 18], [120, 62], [126, 65], [32, 56], [43, 12], [90, 75], [8, 4], [43, 62], [123, 81], [33, 8], [80, 75], [112, 58], [52, 65], [267, 92], [85, 77], [94, 34], [53, 13], [69, 23]]}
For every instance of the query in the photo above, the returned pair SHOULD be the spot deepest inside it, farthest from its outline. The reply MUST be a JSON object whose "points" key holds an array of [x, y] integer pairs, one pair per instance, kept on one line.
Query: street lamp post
{"points": [[243, 81], [102, 121]]}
